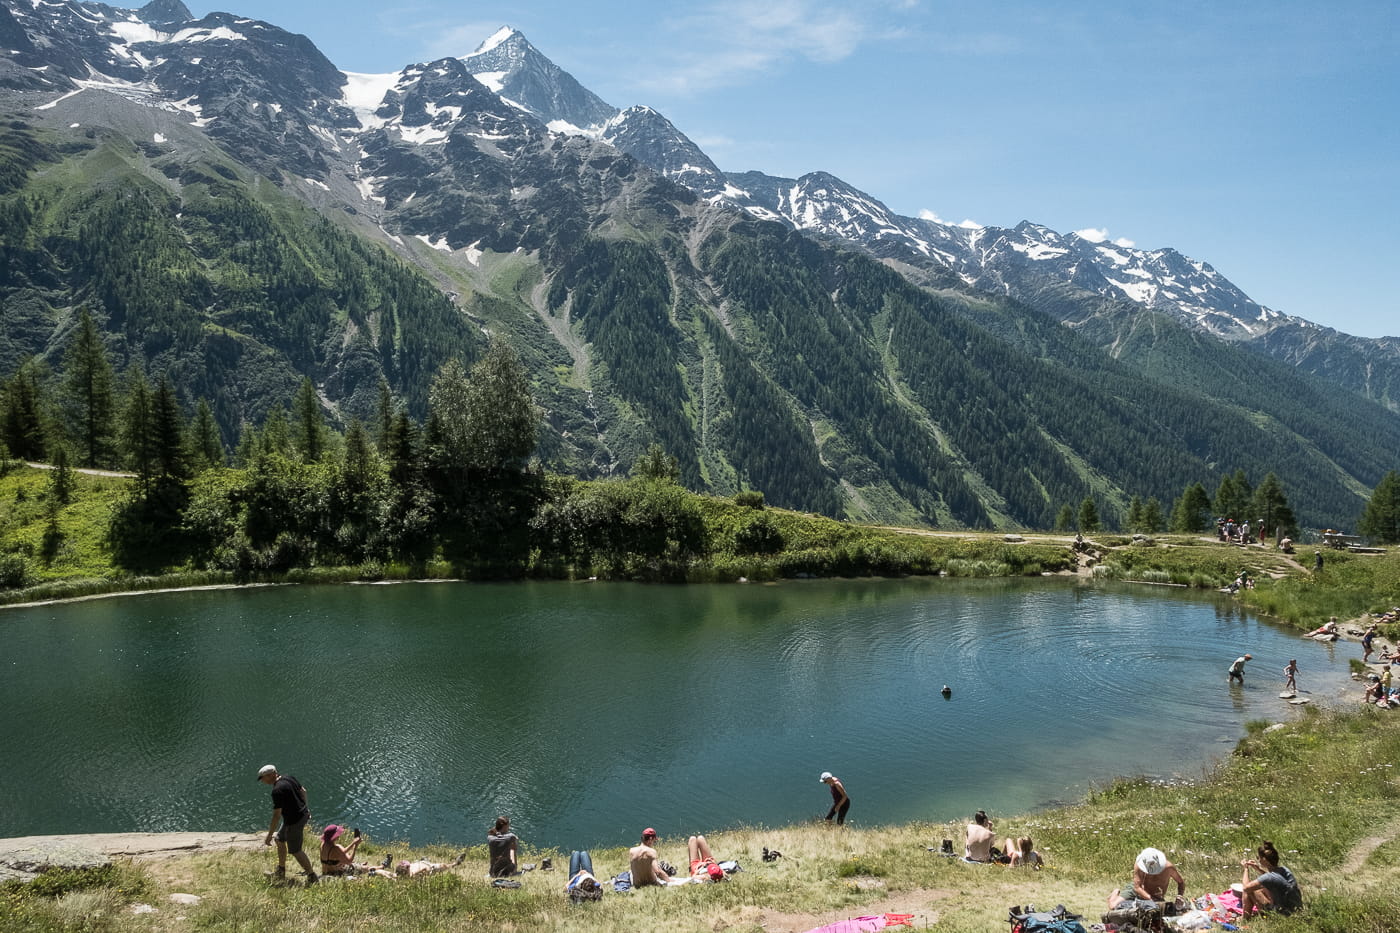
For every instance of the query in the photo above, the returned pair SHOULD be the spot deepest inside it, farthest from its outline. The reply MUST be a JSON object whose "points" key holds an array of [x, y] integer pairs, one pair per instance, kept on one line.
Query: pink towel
{"points": [[854, 925]]}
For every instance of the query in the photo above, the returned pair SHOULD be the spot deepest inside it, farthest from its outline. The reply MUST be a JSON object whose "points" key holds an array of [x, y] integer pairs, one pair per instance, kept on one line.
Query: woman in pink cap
{"points": [[337, 859]]}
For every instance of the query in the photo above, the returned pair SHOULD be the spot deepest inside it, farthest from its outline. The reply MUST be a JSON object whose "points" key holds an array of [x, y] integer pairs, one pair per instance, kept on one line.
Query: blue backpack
{"points": [[1030, 920]]}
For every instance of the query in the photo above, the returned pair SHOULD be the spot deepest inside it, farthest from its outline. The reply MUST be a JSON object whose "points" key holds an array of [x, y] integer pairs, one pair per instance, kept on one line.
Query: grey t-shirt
{"points": [[1283, 889]]}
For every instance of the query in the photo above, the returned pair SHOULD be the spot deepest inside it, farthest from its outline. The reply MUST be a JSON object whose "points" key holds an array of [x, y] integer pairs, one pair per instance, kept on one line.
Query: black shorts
{"points": [[291, 834]]}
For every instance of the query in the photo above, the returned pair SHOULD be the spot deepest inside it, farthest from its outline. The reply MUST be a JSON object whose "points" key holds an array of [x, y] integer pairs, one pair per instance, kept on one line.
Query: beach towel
{"points": [[854, 925]]}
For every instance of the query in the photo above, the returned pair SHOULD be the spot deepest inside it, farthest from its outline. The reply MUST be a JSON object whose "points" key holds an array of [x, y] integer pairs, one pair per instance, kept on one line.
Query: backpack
{"points": [[1146, 915], [1030, 920]]}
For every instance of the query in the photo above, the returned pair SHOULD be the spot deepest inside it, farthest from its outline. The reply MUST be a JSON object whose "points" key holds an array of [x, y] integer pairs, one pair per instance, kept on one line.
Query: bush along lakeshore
{"points": [[140, 491], [1322, 787]]}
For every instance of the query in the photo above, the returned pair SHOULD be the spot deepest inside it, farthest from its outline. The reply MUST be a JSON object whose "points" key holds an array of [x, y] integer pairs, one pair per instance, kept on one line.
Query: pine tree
{"points": [[1191, 512], [206, 448], [276, 436], [1088, 515], [1152, 521], [359, 459], [1269, 507], [384, 416], [168, 434], [1381, 520], [1064, 519], [249, 444], [1135, 514], [24, 429], [310, 423], [89, 396], [1232, 497], [137, 438], [657, 465], [61, 480]]}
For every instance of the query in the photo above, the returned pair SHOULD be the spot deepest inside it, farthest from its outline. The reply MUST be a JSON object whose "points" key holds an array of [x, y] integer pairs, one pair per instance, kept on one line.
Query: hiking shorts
{"points": [[291, 834]]}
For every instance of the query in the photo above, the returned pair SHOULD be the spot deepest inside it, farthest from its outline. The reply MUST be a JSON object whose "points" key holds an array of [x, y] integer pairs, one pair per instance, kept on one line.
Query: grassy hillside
{"points": [[1322, 787]]}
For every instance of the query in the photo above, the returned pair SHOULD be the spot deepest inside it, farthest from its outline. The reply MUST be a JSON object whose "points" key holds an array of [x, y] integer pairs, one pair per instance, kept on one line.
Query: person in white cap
{"points": [[1236, 671], [840, 800], [289, 808], [1151, 875]]}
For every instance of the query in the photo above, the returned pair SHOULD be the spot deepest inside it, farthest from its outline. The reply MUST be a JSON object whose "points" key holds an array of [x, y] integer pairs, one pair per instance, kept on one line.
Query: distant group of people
{"points": [[1241, 533]]}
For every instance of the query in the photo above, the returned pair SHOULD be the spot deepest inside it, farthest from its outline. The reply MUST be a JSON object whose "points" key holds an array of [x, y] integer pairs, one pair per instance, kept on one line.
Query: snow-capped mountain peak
{"points": [[516, 71]]}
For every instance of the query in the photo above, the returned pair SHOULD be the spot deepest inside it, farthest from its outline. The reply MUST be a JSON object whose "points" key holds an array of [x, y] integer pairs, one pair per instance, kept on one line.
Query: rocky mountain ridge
{"points": [[1019, 262], [628, 270]]}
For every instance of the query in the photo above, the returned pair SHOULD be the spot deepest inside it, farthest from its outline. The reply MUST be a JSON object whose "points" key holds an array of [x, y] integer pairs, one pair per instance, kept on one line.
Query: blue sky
{"points": [[1260, 137]]}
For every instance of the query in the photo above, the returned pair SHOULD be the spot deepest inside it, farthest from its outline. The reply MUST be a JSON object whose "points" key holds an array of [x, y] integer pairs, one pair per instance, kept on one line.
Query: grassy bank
{"points": [[47, 554], [1323, 788]]}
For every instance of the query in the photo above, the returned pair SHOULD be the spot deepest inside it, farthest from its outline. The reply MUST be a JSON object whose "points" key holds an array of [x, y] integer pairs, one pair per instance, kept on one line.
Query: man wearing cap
{"points": [[1151, 875], [1237, 669], [642, 861], [289, 808], [840, 800]]}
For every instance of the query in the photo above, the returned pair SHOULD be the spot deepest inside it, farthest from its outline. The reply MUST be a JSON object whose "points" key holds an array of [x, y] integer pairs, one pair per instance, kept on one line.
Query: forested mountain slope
{"points": [[239, 217]]}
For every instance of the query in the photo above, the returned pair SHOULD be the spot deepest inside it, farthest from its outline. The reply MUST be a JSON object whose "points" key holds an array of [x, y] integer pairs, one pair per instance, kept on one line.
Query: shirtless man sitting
{"points": [[979, 839], [1151, 875], [642, 861]]}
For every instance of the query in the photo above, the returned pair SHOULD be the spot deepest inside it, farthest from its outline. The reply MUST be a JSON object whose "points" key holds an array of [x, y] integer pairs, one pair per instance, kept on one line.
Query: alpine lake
{"points": [[586, 711]]}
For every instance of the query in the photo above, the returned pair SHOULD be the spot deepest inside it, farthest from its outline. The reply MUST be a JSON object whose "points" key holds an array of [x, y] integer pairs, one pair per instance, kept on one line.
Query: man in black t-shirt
{"points": [[289, 808]]}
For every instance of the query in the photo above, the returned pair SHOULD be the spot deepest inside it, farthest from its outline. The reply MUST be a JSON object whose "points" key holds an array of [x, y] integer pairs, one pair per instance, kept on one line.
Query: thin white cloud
{"points": [[729, 41], [1100, 235], [927, 214]]}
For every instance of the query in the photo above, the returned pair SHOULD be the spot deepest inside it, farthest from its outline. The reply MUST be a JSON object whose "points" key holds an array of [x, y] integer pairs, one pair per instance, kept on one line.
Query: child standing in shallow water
{"points": [[1291, 673]]}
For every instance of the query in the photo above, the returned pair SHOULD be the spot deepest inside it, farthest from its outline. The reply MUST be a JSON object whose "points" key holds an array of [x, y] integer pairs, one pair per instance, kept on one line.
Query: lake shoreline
{"points": [[1314, 773]]}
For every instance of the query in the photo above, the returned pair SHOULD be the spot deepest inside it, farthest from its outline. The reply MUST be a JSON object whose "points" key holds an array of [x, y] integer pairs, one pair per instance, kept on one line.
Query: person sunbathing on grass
{"points": [[406, 869], [703, 866], [1023, 854]]}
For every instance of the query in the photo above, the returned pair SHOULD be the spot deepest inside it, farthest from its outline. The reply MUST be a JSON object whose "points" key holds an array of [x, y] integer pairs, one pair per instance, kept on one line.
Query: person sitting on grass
{"points": [[978, 847], [1151, 875], [1274, 889], [502, 843], [703, 866], [1023, 854], [335, 858], [642, 862]]}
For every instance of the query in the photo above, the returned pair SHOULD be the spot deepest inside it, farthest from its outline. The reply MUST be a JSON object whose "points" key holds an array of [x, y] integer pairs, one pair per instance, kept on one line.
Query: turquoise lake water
{"points": [[587, 711]]}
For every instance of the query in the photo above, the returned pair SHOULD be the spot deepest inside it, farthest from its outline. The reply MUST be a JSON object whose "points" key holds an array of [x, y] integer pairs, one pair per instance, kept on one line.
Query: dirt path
{"points": [[85, 470], [1362, 850]]}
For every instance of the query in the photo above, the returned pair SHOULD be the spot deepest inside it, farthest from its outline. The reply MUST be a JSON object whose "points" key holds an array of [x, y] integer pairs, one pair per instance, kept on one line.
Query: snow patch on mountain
{"points": [[364, 93]]}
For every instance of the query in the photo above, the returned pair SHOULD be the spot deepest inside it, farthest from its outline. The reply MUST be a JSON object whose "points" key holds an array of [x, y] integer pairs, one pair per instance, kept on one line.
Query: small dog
{"points": [[771, 855]]}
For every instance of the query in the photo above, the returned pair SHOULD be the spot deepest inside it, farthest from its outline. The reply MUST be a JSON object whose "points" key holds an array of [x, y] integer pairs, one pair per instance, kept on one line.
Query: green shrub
{"points": [[749, 499], [14, 571]]}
